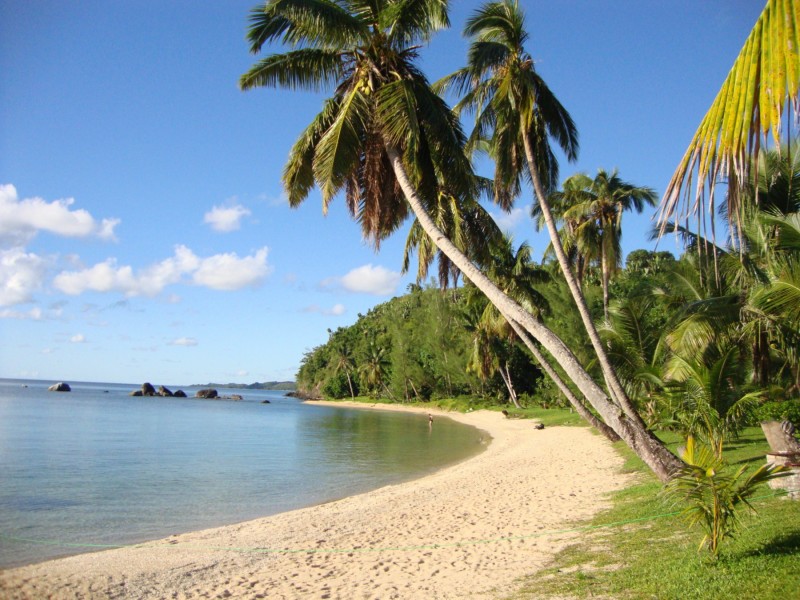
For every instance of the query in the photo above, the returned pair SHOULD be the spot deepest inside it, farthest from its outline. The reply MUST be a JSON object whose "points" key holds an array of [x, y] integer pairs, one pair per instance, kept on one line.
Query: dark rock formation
{"points": [[206, 393], [59, 387], [236, 397], [162, 391], [148, 389], [136, 393], [265, 402], [180, 394]]}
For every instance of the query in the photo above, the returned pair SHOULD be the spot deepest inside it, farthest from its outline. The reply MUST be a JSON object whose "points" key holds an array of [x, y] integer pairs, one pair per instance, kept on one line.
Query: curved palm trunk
{"points": [[612, 381], [579, 407], [639, 439]]}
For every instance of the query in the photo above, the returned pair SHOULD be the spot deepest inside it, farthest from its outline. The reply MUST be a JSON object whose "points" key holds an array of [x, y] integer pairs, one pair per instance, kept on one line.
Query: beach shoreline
{"points": [[469, 530]]}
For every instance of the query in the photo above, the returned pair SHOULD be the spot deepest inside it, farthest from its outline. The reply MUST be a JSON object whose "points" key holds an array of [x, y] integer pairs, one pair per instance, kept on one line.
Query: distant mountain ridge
{"points": [[265, 385]]}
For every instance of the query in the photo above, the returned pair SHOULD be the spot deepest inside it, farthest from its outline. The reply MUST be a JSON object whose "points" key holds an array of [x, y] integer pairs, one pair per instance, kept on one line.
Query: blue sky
{"points": [[143, 231]]}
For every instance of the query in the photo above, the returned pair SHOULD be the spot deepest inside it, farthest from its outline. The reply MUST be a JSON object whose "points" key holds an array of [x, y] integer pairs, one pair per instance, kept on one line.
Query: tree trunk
{"points": [[605, 276], [639, 439], [579, 407], [612, 381], [350, 383], [512, 393]]}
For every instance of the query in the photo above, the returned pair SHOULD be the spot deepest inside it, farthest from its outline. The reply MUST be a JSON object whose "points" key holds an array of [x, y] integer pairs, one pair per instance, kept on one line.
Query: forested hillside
{"points": [[415, 347]]}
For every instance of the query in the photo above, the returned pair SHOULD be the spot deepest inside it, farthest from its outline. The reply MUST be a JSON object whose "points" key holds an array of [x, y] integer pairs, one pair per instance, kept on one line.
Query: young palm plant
{"points": [[711, 496]]}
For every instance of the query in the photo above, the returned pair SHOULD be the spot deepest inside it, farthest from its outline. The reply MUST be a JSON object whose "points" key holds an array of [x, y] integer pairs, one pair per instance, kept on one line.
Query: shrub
{"points": [[778, 411]]}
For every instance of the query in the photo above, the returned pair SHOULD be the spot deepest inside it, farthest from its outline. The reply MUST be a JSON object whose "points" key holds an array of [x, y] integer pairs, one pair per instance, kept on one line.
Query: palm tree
{"points": [[579, 237], [343, 361], [373, 369], [386, 140], [517, 113], [597, 205]]}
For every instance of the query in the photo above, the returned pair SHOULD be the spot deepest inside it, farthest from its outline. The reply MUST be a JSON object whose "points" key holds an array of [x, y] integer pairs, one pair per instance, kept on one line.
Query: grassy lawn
{"points": [[638, 549]]}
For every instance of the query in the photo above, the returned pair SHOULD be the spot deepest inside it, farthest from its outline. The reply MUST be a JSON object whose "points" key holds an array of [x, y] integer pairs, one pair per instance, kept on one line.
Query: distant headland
{"points": [[265, 385]]}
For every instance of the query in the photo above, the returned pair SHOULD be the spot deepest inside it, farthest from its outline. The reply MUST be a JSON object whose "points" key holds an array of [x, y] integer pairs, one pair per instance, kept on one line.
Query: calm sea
{"points": [[95, 466]]}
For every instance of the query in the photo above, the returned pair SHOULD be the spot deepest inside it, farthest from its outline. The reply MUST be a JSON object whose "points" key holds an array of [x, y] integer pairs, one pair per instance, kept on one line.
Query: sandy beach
{"points": [[468, 531]]}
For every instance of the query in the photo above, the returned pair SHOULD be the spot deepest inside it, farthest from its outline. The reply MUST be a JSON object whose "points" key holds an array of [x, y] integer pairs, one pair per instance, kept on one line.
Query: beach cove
{"points": [[467, 531]]}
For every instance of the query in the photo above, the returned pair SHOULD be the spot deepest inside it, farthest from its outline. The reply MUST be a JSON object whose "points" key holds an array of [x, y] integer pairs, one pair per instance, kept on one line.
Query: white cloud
{"points": [[78, 338], [21, 274], [226, 218], [34, 314], [229, 272], [220, 272], [335, 310], [378, 281], [183, 341], [20, 220], [508, 221]]}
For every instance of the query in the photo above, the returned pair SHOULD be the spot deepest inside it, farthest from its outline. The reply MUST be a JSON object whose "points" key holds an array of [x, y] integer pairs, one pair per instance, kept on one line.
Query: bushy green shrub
{"points": [[778, 411], [336, 387]]}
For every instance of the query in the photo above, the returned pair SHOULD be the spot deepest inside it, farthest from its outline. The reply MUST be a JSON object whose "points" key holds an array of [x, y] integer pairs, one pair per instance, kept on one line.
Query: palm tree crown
{"points": [[365, 51], [595, 207], [510, 99]]}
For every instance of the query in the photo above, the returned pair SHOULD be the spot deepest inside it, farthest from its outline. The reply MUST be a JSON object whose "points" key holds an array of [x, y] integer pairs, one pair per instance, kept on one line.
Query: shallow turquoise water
{"points": [[96, 466]]}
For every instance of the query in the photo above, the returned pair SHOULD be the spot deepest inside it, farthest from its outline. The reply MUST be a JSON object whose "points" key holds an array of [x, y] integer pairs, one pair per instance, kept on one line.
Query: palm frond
{"points": [[318, 23], [338, 151], [762, 84], [308, 68]]}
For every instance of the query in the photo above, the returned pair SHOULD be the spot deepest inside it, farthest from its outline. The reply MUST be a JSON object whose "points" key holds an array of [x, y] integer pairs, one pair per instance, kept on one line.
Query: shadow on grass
{"points": [[782, 545]]}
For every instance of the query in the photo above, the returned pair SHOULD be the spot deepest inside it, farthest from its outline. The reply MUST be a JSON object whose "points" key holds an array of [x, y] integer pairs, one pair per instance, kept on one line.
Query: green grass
{"points": [[637, 549]]}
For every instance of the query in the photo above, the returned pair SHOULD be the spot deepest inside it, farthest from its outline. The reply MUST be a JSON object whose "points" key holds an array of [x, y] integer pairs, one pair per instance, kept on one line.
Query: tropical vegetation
{"points": [[700, 344]]}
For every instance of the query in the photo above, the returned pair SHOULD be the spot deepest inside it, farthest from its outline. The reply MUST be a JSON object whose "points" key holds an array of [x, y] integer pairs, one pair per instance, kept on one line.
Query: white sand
{"points": [[468, 531]]}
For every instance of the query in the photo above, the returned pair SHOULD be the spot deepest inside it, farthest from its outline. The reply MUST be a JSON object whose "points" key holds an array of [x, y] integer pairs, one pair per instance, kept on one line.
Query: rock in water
{"points": [[162, 391], [148, 389], [180, 394], [59, 387], [206, 393]]}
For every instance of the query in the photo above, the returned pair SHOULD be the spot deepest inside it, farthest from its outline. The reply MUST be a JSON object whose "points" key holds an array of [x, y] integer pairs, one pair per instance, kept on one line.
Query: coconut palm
{"points": [[343, 361], [596, 207], [373, 369], [386, 139], [518, 114], [579, 237]]}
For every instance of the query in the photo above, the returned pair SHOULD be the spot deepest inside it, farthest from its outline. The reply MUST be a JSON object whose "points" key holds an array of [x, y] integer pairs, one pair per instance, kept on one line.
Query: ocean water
{"points": [[95, 467]]}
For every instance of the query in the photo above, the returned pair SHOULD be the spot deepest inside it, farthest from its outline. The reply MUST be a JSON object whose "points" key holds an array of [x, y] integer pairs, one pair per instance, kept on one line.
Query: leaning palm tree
{"points": [[761, 89], [597, 205], [385, 138], [518, 114]]}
